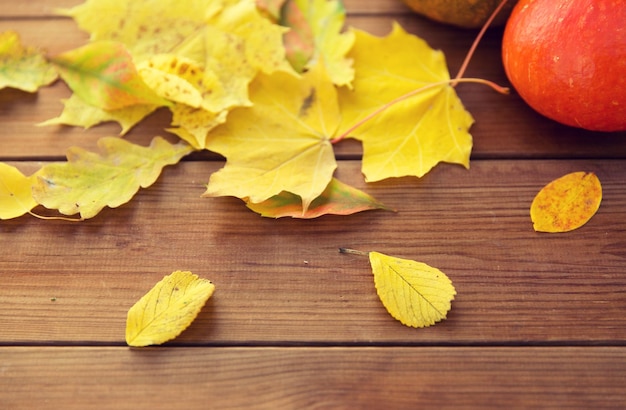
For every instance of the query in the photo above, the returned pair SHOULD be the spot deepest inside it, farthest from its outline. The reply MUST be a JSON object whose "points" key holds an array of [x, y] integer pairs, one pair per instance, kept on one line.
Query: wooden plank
{"points": [[46, 8], [301, 377], [284, 281]]}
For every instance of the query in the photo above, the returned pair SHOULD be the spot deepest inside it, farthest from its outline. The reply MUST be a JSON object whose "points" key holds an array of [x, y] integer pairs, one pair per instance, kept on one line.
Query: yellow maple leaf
{"points": [[167, 309], [414, 293], [411, 136], [281, 143], [567, 203], [16, 198], [80, 114], [88, 181], [25, 68]]}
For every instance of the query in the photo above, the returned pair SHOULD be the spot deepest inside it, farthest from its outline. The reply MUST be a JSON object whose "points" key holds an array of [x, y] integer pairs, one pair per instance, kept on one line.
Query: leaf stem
{"points": [[345, 134], [353, 252], [55, 218], [479, 37]]}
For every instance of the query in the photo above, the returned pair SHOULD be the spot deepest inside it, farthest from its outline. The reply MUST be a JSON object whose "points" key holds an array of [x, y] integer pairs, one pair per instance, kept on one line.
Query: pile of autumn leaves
{"points": [[270, 85]]}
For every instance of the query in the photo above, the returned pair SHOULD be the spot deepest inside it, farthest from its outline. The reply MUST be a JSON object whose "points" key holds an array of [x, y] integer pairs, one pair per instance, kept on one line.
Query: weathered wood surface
{"points": [[538, 320], [284, 280], [313, 378]]}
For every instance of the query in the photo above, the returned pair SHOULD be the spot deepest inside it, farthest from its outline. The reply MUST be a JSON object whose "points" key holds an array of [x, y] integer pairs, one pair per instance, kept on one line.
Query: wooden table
{"points": [[539, 319]]}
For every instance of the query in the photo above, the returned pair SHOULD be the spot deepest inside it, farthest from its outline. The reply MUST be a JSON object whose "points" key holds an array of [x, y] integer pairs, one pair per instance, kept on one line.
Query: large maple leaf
{"points": [[281, 143], [411, 136]]}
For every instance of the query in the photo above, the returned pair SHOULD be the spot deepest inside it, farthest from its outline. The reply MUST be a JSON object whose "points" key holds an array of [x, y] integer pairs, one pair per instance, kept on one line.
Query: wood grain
{"points": [[538, 321], [284, 281], [313, 378]]}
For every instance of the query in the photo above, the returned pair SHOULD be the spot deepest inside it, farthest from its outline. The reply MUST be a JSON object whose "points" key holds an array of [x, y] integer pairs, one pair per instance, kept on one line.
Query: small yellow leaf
{"points": [[167, 309], [567, 203], [414, 293], [16, 197]]}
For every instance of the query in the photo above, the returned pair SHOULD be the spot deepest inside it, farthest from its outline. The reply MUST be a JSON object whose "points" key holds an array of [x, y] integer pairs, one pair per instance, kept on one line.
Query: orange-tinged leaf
{"points": [[88, 181], [24, 68], [16, 198], [567, 203], [414, 135], [317, 27], [103, 74], [281, 143], [316, 35], [337, 199], [299, 40], [167, 309], [414, 293]]}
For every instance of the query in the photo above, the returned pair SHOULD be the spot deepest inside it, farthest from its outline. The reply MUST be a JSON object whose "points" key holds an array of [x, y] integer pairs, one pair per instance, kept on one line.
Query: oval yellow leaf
{"points": [[167, 309], [567, 203], [414, 293]]}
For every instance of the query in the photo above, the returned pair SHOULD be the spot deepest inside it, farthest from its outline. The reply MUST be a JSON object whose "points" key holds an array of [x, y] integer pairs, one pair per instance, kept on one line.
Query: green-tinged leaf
{"points": [[337, 199], [88, 182], [16, 198], [103, 75], [167, 309], [411, 136], [317, 35], [24, 68], [80, 114], [281, 143], [299, 40], [414, 293]]}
